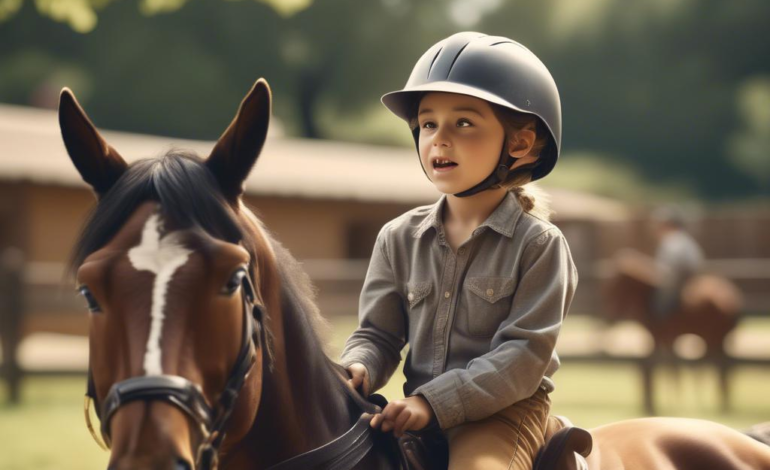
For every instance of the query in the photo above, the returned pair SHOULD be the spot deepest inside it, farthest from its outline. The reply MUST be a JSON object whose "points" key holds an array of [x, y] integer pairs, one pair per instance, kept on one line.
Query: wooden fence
{"points": [[34, 299]]}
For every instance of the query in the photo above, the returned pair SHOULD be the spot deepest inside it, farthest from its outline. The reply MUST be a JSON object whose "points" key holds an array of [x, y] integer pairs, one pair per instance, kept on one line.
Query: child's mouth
{"points": [[443, 165]]}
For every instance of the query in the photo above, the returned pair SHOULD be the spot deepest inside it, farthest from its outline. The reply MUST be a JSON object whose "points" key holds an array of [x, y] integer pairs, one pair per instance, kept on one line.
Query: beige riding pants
{"points": [[507, 440]]}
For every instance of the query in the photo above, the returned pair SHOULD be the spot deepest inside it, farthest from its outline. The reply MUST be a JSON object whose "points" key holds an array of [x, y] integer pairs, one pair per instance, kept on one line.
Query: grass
{"points": [[47, 430]]}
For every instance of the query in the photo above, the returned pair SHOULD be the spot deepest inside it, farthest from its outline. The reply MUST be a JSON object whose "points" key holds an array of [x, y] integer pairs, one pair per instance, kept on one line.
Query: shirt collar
{"points": [[432, 219], [502, 220]]}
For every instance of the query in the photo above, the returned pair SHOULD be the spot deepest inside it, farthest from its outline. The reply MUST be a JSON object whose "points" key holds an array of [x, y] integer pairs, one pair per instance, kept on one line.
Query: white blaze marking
{"points": [[161, 256]]}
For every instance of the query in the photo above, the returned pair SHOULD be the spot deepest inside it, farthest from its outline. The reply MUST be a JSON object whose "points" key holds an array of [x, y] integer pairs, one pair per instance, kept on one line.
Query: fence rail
{"points": [[34, 297]]}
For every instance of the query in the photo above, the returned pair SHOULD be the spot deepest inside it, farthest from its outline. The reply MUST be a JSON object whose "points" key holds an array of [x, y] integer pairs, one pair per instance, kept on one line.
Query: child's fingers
{"points": [[388, 415], [398, 425], [392, 410], [409, 426], [387, 425]]}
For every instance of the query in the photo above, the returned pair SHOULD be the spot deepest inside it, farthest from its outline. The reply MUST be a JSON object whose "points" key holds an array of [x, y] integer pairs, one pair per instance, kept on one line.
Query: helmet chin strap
{"points": [[499, 174]]}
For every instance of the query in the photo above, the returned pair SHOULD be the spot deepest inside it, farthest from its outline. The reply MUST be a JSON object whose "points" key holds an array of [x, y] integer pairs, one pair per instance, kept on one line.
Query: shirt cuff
{"points": [[443, 394], [371, 368]]}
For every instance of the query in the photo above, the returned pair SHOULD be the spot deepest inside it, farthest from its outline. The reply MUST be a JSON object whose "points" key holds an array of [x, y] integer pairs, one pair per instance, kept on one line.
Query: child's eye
{"points": [[428, 125], [464, 123]]}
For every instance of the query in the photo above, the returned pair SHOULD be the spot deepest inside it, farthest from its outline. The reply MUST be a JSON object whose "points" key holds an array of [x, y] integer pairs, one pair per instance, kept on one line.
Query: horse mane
{"points": [[190, 197], [298, 294]]}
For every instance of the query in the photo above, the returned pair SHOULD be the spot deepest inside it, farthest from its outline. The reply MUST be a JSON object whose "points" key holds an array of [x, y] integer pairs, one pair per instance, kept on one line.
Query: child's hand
{"points": [[359, 376], [410, 414]]}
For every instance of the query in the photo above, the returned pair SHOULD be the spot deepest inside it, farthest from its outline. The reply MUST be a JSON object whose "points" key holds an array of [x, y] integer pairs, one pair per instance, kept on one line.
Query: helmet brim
{"points": [[402, 102]]}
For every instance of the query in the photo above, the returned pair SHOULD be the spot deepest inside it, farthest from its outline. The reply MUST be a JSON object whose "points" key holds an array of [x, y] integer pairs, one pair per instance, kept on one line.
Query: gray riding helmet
{"points": [[493, 68]]}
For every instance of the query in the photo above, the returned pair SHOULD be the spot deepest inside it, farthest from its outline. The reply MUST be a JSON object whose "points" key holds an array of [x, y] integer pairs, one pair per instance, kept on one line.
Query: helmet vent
{"points": [[455, 60], [501, 42], [434, 61]]}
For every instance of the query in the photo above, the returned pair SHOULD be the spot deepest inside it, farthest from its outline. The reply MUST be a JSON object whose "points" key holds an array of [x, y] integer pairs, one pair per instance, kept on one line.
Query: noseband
{"points": [[187, 395]]}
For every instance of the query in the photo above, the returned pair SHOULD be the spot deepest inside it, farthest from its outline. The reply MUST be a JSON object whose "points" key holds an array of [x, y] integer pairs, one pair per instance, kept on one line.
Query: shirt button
{"points": [[410, 296], [461, 251], [490, 292], [447, 294]]}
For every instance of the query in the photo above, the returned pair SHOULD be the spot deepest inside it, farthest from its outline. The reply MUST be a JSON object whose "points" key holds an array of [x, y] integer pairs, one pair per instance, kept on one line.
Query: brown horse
{"points": [[675, 443], [166, 263], [205, 345], [709, 308]]}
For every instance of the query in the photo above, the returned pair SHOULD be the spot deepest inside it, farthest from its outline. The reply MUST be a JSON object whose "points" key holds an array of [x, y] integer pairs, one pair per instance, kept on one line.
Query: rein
{"points": [[185, 394], [346, 451]]}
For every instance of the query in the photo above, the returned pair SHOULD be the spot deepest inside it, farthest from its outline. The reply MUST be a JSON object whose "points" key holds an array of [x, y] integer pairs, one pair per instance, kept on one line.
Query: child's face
{"points": [[463, 130]]}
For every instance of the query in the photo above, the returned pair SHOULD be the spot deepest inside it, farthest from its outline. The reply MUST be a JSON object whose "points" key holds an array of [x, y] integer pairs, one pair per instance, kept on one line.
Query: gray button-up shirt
{"points": [[481, 323]]}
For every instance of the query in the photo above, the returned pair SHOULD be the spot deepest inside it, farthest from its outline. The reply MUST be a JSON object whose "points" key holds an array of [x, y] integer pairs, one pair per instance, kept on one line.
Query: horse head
{"points": [[179, 278]]}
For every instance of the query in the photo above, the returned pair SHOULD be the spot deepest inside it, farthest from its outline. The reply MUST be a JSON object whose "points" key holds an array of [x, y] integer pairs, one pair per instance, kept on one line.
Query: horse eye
{"points": [[235, 282], [93, 306]]}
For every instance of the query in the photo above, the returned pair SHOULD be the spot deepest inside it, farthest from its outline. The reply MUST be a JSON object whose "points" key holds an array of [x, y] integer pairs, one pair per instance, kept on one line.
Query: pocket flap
{"points": [[416, 291], [491, 289]]}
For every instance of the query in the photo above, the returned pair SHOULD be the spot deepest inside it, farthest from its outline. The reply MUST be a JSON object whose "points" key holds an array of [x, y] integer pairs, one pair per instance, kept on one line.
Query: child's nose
{"points": [[441, 138]]}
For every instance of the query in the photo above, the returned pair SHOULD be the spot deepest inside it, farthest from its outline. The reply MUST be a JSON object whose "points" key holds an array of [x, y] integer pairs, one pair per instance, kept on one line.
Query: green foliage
{"points": [[749, 146], [673, 90], [8, 8], [81, 15]]}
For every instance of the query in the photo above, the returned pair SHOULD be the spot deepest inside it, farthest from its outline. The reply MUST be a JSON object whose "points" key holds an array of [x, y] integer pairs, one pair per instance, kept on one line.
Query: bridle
{"points": [[343, 453], [186, 395]]}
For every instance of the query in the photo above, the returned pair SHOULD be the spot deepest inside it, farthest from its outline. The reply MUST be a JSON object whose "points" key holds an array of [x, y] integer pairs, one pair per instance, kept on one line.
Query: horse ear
{"points": [[239, 146], [99, 164]]}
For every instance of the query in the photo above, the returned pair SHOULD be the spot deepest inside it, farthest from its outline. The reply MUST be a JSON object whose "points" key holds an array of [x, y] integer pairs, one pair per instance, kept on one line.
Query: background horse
{"points": [[709, 308], [206, 347]]}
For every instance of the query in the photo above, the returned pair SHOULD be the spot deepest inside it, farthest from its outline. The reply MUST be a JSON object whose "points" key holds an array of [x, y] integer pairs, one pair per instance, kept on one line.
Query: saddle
{"points": [[565, 449], [565, 445], [428, 449]]}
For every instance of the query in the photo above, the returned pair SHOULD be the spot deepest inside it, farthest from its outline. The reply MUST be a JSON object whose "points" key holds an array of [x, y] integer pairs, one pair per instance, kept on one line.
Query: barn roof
{"points": [[31, 149]]}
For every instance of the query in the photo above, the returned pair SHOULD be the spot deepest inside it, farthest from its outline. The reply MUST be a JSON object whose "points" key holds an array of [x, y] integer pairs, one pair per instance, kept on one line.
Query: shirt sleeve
{"points": [[523, 345], [380, 336]]}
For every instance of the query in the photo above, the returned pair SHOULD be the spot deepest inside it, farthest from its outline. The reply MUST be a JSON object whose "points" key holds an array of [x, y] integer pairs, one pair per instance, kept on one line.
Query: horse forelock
{"points": [[187, 192]]}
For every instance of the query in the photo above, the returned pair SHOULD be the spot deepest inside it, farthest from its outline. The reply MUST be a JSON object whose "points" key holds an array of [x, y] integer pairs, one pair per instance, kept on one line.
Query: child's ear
{"points": [[521, 142]]}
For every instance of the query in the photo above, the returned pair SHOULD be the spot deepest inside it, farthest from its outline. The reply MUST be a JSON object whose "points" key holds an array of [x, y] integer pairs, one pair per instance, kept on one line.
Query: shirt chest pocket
{"points": [[487, 303], [417, 296], [416, 293]]}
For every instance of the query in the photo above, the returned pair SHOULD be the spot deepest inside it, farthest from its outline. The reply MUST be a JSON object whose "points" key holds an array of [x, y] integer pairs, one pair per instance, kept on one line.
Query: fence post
{"points": [[11, 308]]}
